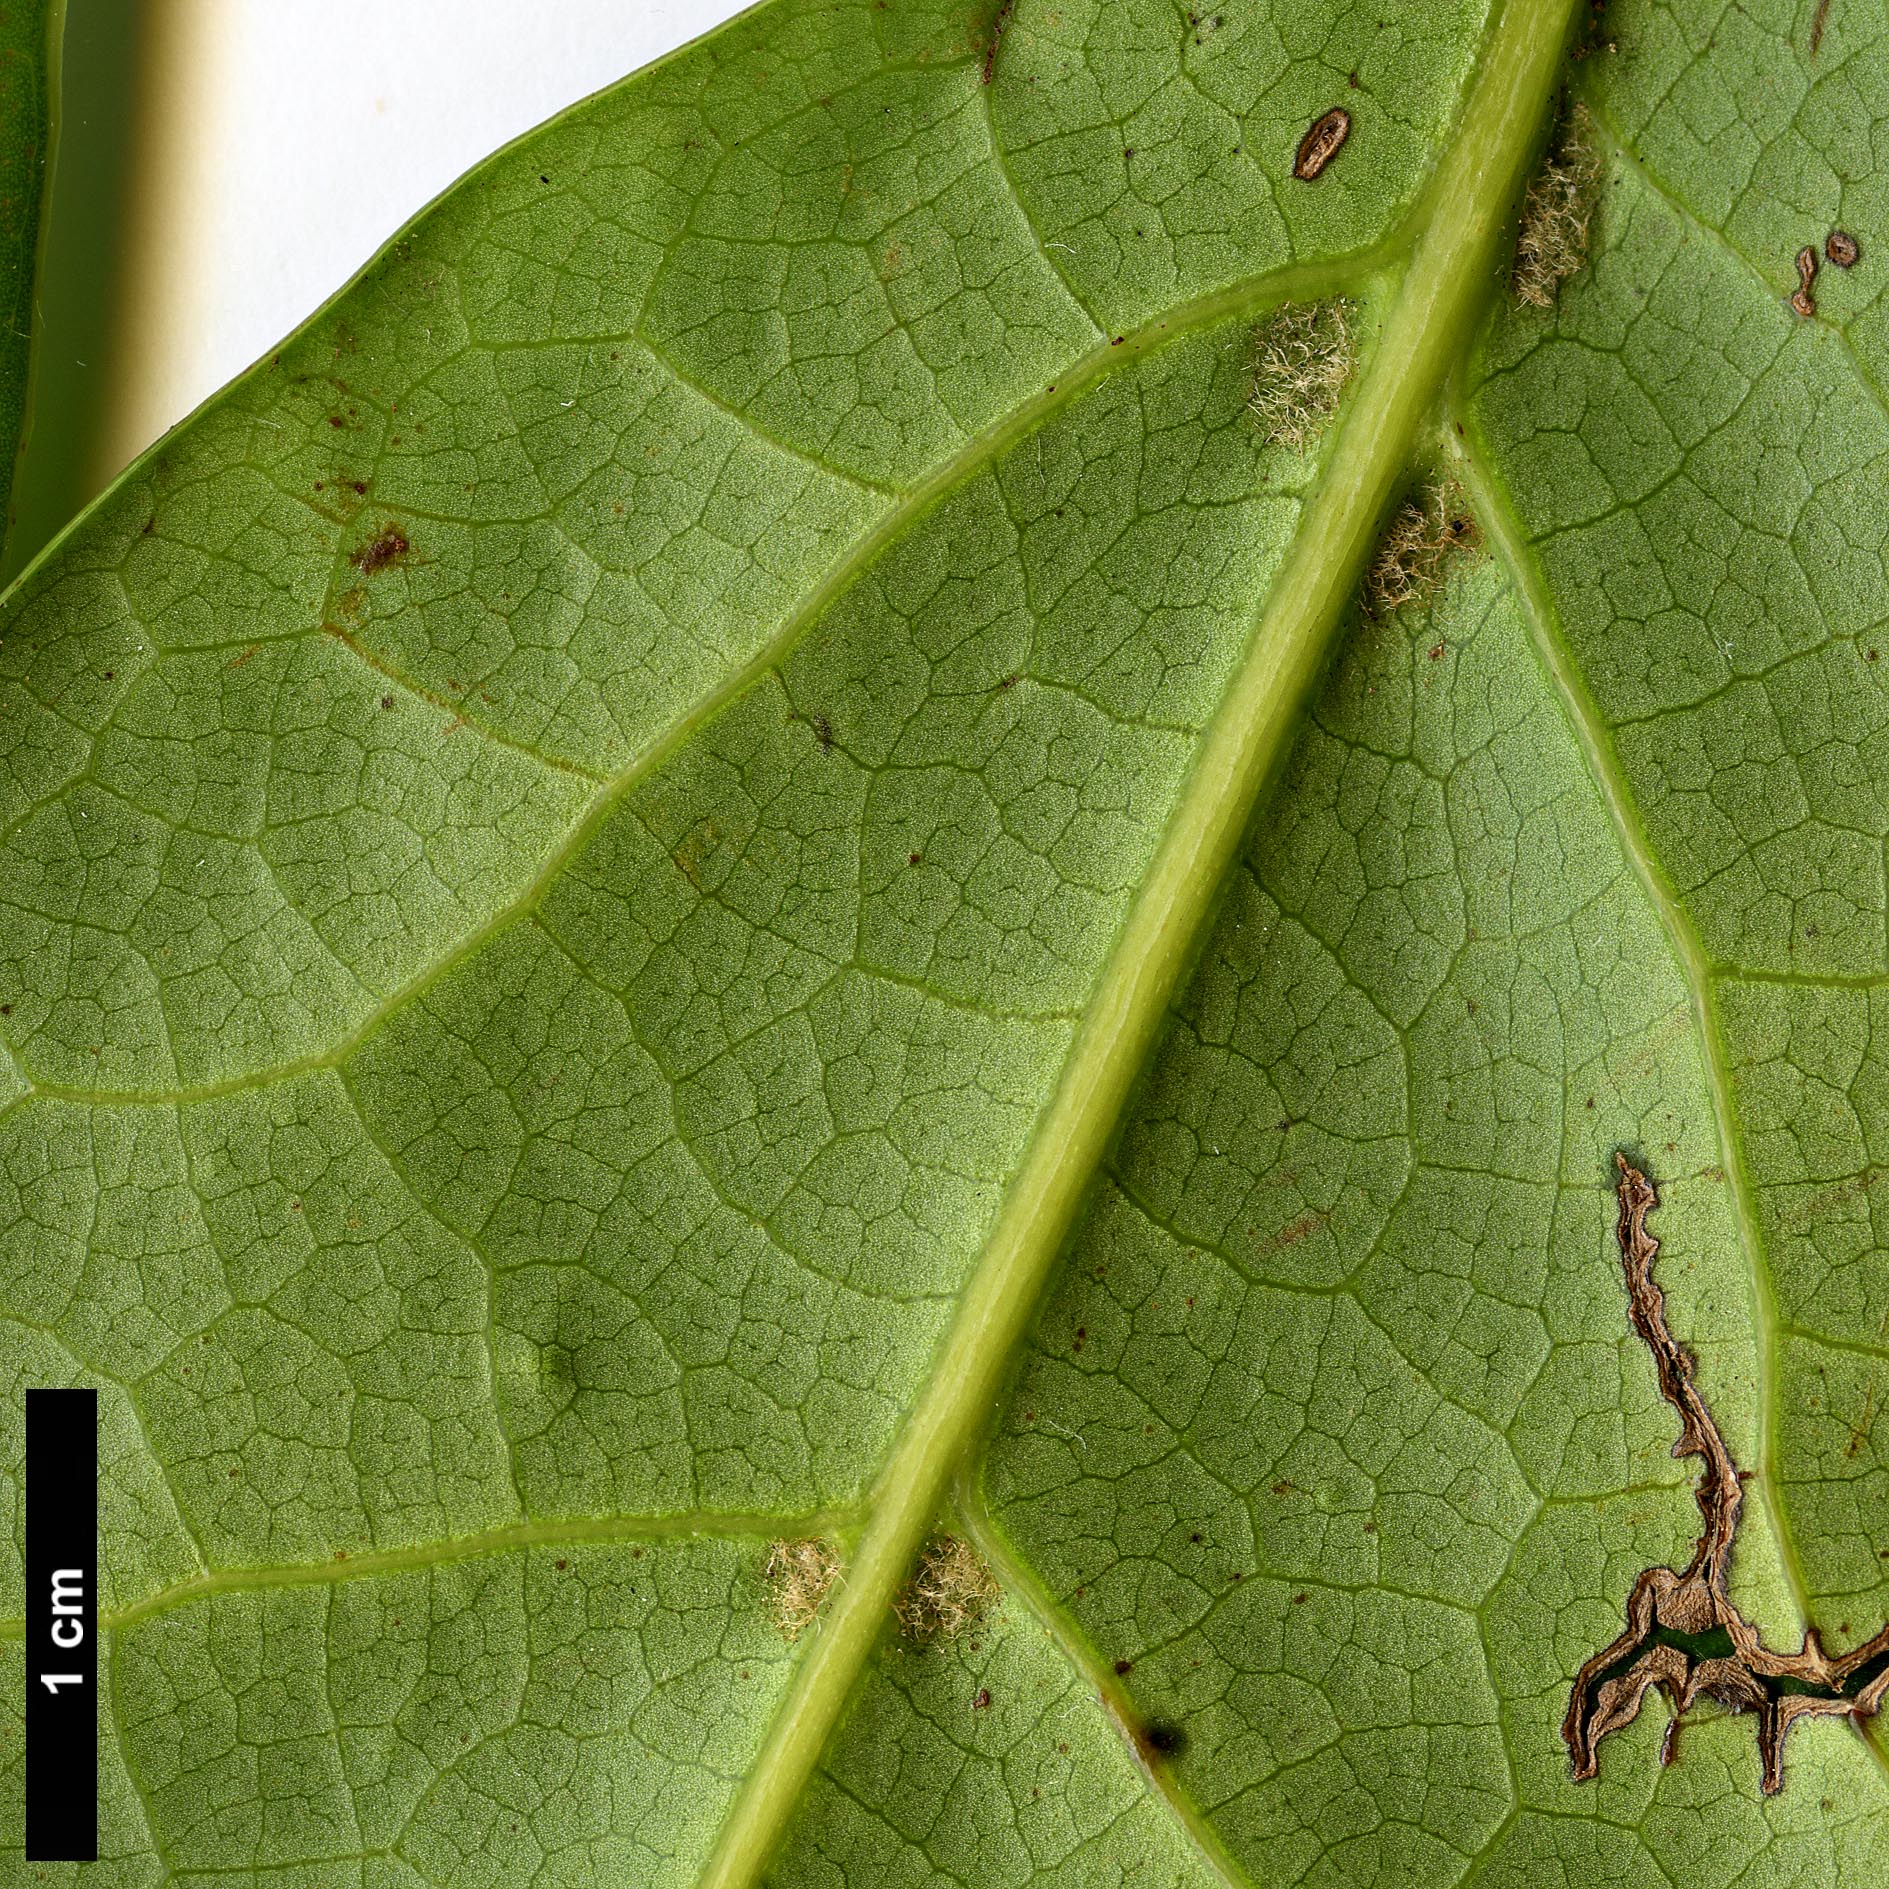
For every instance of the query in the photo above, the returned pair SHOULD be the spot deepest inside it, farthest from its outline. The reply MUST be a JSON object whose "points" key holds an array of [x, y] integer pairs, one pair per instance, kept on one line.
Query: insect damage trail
{"points": [[1683, 1634]]}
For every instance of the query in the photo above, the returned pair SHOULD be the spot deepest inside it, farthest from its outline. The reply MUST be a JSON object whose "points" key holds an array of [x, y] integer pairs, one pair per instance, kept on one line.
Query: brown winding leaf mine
{"points": [[1321, 144], [1683, 1634]]}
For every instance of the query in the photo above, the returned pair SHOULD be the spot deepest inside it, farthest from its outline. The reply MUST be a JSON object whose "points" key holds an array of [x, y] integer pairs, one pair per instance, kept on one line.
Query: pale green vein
{"points": [[578, 1532], [1445, 290], [1308, 282], [1630, 160], [1022, 1582], [1596, 744]]}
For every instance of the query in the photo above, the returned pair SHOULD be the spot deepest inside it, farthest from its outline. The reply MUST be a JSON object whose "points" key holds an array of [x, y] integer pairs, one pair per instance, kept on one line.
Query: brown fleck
{"points": [[1842, 249], [1321, 143], [1161, 1738], [996, 37], [1683, 1634], [387, 546], [1123, 1667], [1801, 299], [1817, 21], [982, 1702], [1294, 1231]]}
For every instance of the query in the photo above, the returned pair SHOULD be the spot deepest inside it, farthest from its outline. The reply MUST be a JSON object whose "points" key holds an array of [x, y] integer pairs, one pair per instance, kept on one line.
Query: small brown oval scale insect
{"points": [[1320, 145], [1840, 246]]}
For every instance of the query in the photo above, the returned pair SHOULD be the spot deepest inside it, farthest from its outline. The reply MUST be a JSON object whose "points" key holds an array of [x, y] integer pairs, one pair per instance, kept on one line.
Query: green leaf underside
{"points": [[27, 32], [529, 985]]}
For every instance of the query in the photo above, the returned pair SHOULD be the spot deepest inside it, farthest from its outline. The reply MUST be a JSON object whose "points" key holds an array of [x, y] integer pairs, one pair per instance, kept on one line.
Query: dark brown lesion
{"points": [[1683, 1634]]}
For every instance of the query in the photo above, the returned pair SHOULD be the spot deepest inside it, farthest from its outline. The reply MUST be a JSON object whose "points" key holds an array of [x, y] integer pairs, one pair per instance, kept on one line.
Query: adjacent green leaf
{"points": [[29, 34], [618, 855]]}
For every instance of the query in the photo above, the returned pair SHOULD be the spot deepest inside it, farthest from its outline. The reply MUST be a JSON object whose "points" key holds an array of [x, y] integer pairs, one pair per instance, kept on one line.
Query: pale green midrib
{"points": [[575, 1532], [1695, 967], [1298, 281], [1450, 278], [1021, 1582]]}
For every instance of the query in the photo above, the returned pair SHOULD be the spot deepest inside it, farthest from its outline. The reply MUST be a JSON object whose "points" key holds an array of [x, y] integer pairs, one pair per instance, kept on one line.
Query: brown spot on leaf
{"points": [[1160, 1738], [1842, 249], [1321, 143], [996, 37], [1801, 299], [1684, 1637], [1294, 1231], [387, 546]]}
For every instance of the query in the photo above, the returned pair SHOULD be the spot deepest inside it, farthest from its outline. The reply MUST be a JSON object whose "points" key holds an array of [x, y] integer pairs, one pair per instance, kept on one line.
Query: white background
{"points": [[308, 131]]}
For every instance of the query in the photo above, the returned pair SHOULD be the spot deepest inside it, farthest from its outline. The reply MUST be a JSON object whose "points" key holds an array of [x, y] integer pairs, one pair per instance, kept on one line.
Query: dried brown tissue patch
{"points": [[1302, 356], [1802, 302], [1551, 242], [796, 1578], [1321, 143], [952, 1589], [1683, 1636], [1413, 555], [387, 546]]}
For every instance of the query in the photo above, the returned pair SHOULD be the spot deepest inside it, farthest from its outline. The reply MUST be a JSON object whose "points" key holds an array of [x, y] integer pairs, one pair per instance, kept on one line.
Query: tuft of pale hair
{"points": [[1551, 244], [951, 1589], [1302, 356], [1415, 548], [797, 1576]]}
